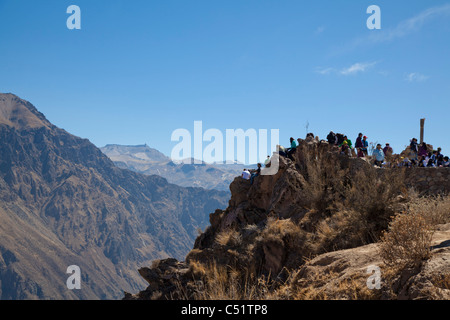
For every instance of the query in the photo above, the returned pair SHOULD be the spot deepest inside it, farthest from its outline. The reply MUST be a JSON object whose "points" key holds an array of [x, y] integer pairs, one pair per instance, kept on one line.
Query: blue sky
{"points": [[137, 70]]}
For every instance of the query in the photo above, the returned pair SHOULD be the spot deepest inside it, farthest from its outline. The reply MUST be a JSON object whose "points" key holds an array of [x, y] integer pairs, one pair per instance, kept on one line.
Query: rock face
{"points": [[320, 202], [431, 280], [63, 202]]}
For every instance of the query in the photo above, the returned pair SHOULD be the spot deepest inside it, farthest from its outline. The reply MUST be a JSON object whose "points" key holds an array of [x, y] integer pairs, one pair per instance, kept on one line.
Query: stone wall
{"points": [[429, 180]]}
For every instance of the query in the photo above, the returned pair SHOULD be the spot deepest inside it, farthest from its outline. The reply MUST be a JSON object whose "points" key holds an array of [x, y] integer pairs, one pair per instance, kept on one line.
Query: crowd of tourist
{"points": [[383, 157], [415, 156], [423, 156]]}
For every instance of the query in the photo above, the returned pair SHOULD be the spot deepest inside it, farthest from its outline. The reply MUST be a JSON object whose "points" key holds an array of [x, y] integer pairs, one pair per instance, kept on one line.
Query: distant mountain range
{"points": [[150, 161], [63, 202]]}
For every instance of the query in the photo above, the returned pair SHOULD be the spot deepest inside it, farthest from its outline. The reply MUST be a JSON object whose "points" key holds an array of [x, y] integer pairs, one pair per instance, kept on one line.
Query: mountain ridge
{"points": [[61, 198], [187, 173]]}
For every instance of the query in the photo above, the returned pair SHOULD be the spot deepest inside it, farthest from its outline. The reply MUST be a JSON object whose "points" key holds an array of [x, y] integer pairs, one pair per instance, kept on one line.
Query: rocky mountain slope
{"points": [[63, 202], [308, 232], [150, 161], [340, 268]]}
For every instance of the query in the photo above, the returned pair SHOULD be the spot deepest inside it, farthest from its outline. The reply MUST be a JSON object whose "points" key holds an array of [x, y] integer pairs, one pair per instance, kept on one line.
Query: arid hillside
{"points": [[63, 202], [318, 229]]}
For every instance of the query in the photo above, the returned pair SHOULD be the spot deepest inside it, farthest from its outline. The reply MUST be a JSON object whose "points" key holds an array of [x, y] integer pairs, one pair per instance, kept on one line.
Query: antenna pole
{"points": [[422, 126]]}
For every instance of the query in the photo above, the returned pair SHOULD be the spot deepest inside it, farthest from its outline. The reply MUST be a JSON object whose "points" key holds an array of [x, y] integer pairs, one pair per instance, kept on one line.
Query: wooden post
{"points": [[422, 126]]}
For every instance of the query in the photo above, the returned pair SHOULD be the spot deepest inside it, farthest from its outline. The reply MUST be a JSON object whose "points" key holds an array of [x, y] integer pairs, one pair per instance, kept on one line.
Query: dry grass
{"points": [[242, 282], [441, 281], [350, 207], [440, 289], [229, 237], [326, 285], [436, 210], [282, 230], [407, 242], [226, 283]]}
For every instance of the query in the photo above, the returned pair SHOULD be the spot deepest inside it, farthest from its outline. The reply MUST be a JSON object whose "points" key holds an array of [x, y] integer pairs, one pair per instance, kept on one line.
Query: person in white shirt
{"points": [[267, 162], [246, 174], [446, 163]]}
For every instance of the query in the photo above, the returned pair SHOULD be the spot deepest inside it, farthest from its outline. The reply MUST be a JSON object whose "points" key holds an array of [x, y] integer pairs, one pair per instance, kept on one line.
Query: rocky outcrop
{"points": [[168, 279], [339, 275], [319, 202], [331, 274]]}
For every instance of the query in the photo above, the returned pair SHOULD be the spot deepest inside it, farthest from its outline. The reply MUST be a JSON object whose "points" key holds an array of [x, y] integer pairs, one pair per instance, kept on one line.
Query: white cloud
{"points": [[319, 30], [416, 77], [403, 28], [412, 24], [357, 67], [353, 69], [324, 71]]}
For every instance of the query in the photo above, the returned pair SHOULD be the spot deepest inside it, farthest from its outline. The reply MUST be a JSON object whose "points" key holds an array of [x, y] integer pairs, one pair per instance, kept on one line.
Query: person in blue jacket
{"points": [[379, 155], [292, 149]]}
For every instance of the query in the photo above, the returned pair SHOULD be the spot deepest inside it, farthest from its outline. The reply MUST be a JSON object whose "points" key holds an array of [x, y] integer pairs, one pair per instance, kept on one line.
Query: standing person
{"points": [[359, 145], [446, 162], [414, 149], [379, 155], [365, 146], [331, 137], [423, 150], [388, 151]]}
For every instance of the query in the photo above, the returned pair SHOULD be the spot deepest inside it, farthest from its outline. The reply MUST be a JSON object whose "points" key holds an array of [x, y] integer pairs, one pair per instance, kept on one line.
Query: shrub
{"points": [[350, 202], [407, 242]]}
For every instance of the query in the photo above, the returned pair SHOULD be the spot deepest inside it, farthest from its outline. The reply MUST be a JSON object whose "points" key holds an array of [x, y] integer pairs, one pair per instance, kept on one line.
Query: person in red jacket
{"points": [[359, 145]]}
